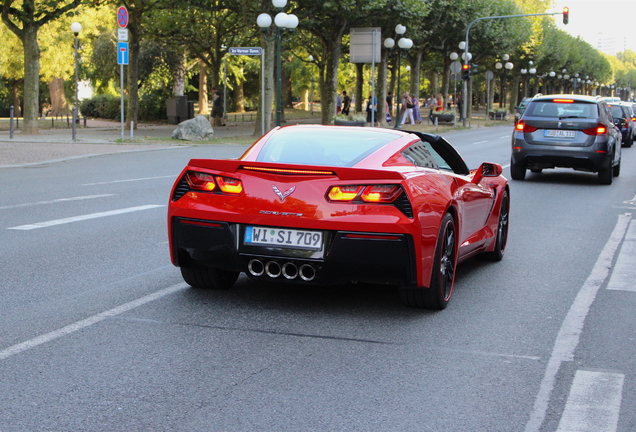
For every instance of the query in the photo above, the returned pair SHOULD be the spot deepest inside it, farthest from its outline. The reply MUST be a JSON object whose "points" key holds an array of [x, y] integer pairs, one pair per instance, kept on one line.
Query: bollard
{"points": [[132, 127], [11, 122]]}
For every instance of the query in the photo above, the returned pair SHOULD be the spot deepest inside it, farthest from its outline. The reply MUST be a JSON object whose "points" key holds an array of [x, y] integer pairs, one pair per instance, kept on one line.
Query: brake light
{"points": [[207, 182], [563, 100], [380, 193], [599, 129], [634, 119], [368, 194], [523, 127], [230, 185], [200, 181]]}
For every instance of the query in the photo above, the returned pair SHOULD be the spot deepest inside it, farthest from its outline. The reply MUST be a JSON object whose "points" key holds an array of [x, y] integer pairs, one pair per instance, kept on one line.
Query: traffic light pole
{"points": [[566, 17]]}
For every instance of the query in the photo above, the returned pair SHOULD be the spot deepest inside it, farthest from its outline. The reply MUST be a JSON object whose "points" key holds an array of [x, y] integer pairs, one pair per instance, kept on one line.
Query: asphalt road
{"points": [[99, 333]]}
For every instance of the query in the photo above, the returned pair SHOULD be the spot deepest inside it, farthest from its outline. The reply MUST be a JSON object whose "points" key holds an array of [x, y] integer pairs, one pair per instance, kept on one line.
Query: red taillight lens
{"points": [[523, 127], [599, 129], [200, 181], [229, 185], [344, 193], [380, 193], [368, 194], [207, 182]]}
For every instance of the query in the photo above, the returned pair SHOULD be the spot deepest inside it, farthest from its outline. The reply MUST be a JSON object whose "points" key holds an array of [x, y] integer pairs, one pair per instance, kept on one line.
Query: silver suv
{"points": [[568, 131]]}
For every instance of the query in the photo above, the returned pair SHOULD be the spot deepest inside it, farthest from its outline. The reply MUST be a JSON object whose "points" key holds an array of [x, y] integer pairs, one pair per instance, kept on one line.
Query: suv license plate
{"points": [[560, 133], [283, 238]]}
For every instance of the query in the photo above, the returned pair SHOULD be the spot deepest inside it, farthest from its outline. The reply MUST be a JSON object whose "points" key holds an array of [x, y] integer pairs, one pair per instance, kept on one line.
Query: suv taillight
{"points": [[521, 126], [599, 129]]}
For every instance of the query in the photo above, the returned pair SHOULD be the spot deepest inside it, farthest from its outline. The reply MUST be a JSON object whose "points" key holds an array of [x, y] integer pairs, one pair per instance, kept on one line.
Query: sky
{"points": [[588, 18]]}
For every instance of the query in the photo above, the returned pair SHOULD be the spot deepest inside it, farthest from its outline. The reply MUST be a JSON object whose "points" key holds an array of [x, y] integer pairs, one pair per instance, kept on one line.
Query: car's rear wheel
{"points": [[443, 277], [616, 171], [517, 172], [209, 278], [605, 176], [502, 230]]}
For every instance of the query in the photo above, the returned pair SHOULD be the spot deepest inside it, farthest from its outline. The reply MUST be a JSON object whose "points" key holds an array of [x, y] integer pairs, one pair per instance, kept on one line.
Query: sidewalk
{"points": [[97, 138]]}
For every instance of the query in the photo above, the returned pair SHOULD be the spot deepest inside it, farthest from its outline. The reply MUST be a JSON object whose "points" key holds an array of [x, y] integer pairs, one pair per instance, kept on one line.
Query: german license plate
{"points": [[283, 237], [560, 133]]}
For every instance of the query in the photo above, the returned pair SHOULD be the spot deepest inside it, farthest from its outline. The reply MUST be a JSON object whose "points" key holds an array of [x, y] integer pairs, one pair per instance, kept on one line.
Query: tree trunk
{"points": [[178, 87], [382, 85], [238, 97], [59, 104], [359, 86], [416, 65], [17, 103], [328, 96], [31, 80], [203, 90]]}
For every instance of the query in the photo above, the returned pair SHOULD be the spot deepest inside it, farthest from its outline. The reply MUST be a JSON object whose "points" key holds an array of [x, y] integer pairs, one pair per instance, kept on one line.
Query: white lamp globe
{"points": [[454, 56], [400, 29], [405, 43], [76, 28], [292, 21], [279, 3], [389, 43], [510, 66], [282, 20], [462, 45], [264, 21]]}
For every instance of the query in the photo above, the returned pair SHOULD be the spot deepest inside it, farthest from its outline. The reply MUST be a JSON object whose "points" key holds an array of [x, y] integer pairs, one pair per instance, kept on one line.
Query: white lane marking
{"points": [[130, 180], [505, 137], [624, 273], [480, 142], [594, 402], [71, 328], [572, 326], [84, 217], [55, 201]]}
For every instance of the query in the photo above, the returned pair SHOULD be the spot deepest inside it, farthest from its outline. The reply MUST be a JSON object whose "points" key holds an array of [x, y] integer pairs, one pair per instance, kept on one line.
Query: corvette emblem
{"points": [[283, 195]]}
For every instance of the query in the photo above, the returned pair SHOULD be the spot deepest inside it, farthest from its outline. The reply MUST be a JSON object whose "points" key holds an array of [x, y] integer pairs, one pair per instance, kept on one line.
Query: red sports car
{"points": [[313, 204]]}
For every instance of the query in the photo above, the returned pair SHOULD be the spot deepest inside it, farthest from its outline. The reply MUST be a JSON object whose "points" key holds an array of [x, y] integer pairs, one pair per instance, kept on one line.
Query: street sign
{"points": [[456, 67], [122, 35], [246, 51], [122, 16], [489, 75], [122, 53]]}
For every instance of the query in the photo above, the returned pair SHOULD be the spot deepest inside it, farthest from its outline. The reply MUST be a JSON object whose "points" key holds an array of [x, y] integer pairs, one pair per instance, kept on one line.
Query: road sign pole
{"points": [[121, 80]]}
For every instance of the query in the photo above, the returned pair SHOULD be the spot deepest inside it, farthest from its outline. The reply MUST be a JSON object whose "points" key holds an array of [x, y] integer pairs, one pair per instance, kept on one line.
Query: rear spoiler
{"points": [[343, 173]]}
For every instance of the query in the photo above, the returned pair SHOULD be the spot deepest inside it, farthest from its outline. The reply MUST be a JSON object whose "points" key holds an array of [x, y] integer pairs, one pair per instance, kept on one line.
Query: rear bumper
{"points": [[346, 255], [586, 159]]}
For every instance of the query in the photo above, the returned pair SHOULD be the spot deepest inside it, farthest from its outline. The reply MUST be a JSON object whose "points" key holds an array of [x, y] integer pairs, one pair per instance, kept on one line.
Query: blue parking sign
{"points": [[122, 53]]}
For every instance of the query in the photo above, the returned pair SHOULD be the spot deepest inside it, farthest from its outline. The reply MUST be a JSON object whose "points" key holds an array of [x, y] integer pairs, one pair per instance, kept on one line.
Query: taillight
{"points": [[599, 129], [368, 194], [523, 127], [209, 183]]}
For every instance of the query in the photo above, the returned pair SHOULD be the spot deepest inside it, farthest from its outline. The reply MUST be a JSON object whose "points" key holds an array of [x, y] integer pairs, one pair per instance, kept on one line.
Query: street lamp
{"points": [[404, 44], [284, 22], [76, 28]]}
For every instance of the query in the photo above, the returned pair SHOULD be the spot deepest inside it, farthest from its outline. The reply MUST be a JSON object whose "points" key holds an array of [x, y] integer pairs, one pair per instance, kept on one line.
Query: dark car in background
{"points": [[623, 115], [566, 131]]}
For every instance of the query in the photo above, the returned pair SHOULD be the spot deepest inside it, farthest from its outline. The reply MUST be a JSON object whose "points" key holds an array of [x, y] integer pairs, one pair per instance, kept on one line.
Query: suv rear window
{"points": [[617, 111], [562, 110]]}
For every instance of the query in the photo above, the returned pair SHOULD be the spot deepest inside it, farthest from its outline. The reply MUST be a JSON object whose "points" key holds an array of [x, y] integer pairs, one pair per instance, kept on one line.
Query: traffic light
{"points": [[466, 72], [566, 15], [473, 69]]}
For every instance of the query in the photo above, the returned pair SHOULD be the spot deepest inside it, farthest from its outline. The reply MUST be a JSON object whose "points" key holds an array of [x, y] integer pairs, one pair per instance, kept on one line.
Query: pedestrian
{"points": [[417, 116], [458, 101], [217, 108], [372, 110], [440, 103], [389, 102], [432, 103], [346, 103], [338, 104], [407, 107]]}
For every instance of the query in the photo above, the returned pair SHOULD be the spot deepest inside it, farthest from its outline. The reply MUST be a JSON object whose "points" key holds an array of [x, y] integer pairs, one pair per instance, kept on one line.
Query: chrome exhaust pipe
{"points": [[290, 271], [307, 272], [272, 269], [255, 267]]}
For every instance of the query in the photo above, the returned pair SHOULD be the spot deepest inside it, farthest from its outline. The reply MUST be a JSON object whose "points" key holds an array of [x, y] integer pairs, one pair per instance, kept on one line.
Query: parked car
{"points": [[318, 205], [623, 115], [570, 131]]}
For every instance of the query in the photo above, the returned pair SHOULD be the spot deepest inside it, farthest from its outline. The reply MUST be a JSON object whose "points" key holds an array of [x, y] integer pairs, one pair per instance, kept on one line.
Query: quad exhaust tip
{"points": [[288, 270]]}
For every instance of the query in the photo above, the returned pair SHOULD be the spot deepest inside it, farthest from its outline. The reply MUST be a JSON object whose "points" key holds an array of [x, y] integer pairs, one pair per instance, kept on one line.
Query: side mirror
{"points": [[487, 169]]}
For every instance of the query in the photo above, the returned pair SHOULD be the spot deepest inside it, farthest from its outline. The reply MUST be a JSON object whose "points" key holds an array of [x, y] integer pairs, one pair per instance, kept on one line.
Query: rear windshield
{"points": [[617, 111], [344, 146], [562, 110]]}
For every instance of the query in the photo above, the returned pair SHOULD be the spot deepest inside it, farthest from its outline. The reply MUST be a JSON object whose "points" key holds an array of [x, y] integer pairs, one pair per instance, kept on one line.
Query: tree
{"points": [[25, 19]]}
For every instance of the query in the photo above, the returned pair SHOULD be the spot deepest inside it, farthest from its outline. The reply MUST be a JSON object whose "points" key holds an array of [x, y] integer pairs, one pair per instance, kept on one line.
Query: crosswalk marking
{"points": [[50, 223], [594, 402], [624, 273]]}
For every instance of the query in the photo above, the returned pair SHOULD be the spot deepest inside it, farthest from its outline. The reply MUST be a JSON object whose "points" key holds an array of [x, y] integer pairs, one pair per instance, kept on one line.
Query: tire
{"points": [[605, 176], [443, 277], [517, 172], [209, 278], [502, 230], [616, 171]]}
